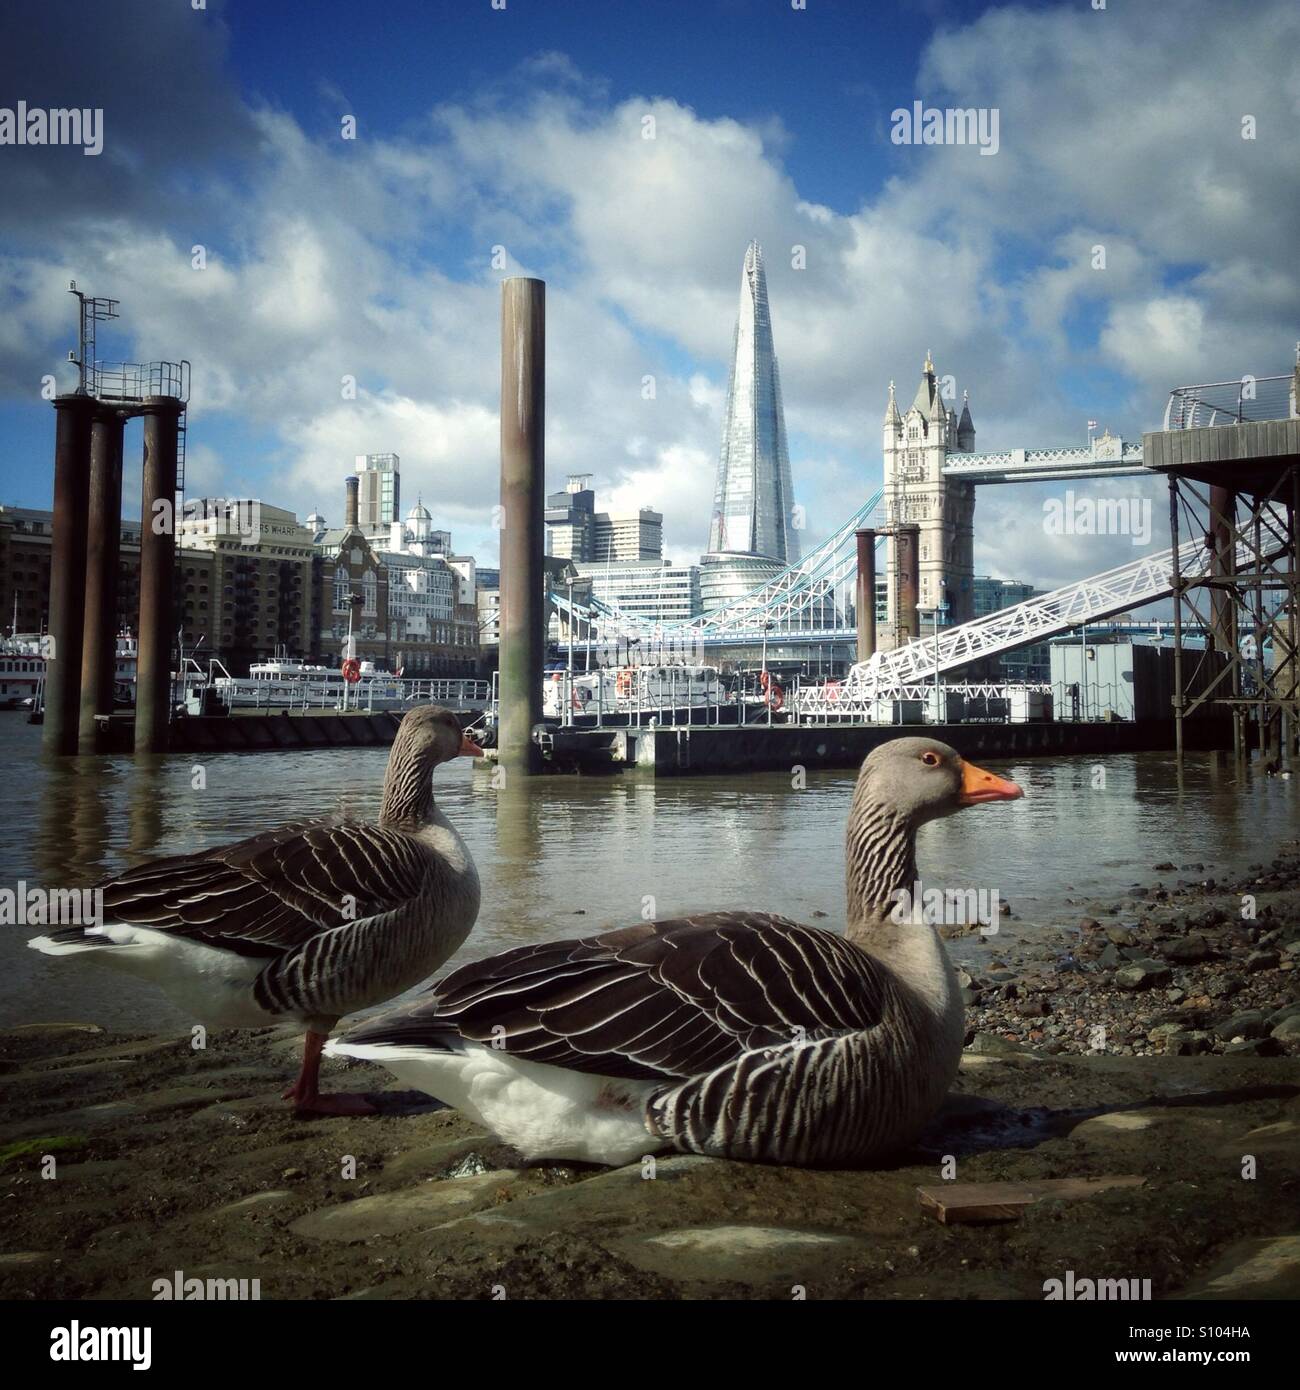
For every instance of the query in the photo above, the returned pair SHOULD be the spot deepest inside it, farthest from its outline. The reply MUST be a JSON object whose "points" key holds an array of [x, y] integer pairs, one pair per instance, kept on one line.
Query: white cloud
{"points": [[370, 259]]}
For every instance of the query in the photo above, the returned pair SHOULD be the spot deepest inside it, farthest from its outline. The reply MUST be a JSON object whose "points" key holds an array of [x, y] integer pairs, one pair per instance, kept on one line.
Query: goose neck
{"points": [[408, 787], [879, 861]]}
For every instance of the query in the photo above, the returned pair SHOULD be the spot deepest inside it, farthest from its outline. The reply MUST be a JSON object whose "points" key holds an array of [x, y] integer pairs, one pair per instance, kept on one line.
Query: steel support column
{"points": [[523, 466], [99, 638], [1177, 584], [157, 574], [866, 594], [907, 574], [73, 416]]}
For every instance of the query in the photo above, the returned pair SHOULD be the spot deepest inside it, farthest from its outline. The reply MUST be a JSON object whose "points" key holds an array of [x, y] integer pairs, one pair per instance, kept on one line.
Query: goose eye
{"points": [[930, 759]]}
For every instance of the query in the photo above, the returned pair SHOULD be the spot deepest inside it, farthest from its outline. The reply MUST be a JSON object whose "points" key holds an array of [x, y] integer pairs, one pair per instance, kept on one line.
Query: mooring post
{"points": [[103, 544], [158, 523], [523, 468], [1176, 584], [866, 594], [73, 416]]}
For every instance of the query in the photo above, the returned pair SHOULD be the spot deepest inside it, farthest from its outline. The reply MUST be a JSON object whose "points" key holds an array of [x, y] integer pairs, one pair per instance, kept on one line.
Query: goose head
{"points": [[903, 784], [921, 779], [428, 735], [432, 735]]}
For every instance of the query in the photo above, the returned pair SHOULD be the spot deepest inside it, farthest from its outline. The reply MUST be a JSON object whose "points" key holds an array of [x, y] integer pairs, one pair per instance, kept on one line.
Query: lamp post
{"points": [[766, 682], [935, 614], [350, 646], [567, 716]]}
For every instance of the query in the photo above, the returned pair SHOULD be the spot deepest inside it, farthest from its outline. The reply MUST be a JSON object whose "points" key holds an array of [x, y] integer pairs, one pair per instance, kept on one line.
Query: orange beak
{"points": [[470, 749], [978, 785]]}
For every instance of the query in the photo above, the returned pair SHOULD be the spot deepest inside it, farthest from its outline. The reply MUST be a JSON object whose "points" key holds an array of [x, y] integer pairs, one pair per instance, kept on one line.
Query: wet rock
{"points": [[745, 1254], [991, 1045], [1118, 1122], [1253, 1047], [1163, 867], [409, 1209], [1249, 1024], [1288, 1030], [1143, 974], [22, 1259], [1224, 987], [1262, 960], [1109, 958], [1187, 950], [1120, 936], [258, 1199]]}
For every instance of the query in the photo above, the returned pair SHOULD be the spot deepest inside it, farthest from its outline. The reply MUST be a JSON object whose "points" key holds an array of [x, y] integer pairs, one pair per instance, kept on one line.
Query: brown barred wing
{"points": [[268, 894], [659, 1000]]}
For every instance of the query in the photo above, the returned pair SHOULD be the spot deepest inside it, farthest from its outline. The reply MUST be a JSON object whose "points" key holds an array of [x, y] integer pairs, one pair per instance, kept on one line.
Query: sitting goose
{"points": [[737, 1034], [309, 922]]}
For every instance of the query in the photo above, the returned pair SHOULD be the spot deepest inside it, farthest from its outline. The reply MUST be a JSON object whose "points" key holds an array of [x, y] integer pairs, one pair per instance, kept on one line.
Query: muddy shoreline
{"points": [[165, 1159]]}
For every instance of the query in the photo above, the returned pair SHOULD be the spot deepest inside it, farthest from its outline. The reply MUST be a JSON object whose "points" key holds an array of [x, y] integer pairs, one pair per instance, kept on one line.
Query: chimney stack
{"points": [[350, 514]]}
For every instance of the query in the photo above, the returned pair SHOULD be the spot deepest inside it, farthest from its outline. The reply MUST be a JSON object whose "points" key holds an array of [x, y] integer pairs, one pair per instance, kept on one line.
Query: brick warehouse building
{"points": [[253, 582]]}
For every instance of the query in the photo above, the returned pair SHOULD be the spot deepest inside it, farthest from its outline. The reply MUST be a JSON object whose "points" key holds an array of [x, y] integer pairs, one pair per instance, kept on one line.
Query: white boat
{"points": [[22, 670], [631, 689]]}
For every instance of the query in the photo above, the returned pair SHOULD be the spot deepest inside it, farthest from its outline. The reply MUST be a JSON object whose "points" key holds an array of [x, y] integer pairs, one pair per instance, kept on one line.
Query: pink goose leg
{"points": [[305, 1092]]}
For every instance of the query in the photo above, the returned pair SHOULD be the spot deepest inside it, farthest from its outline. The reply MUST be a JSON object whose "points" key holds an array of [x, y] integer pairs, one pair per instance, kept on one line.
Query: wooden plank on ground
{"points": [[951, 1203]]}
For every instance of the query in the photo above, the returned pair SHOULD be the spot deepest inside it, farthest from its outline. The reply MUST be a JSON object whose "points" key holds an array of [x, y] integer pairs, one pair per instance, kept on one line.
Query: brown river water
{"points": [[566, 856]]}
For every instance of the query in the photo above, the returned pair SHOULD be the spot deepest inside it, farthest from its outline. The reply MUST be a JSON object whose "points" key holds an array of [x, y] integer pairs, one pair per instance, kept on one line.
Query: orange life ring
{"points": [[352, 670], [776, 696], [623, 681]]}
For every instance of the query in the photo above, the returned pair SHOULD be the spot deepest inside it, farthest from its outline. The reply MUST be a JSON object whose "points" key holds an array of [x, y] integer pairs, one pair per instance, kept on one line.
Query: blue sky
{"points": [[524, 129]]}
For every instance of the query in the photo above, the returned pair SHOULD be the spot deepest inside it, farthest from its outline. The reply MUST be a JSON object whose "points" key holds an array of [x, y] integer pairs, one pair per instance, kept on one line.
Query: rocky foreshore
{"points": [[130, 1163], [1186, 966]]}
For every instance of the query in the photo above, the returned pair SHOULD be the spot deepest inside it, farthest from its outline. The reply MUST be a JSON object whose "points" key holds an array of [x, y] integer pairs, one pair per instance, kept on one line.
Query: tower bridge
{"points": [[923, 517]]}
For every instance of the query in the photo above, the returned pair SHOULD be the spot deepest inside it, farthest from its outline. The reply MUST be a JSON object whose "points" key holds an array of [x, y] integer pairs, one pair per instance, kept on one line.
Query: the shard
{"points": [[753, 504]]}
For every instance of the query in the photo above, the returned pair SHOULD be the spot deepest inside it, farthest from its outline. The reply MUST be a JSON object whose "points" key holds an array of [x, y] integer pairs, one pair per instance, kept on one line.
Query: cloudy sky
{"points": [[477, 128]]}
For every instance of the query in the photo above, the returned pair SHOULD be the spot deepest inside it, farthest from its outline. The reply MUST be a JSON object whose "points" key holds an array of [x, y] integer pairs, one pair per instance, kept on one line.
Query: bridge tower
{"points": [[943, 508]]}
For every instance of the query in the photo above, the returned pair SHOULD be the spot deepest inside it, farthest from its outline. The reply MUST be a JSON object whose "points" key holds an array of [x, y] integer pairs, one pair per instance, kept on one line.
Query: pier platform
{"points": [[676, 752], [680, 751], [262, 731]]}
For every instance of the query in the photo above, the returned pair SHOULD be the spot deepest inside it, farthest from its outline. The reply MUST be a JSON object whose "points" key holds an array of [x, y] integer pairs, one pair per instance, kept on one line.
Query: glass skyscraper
{"points": [[754, 501]]}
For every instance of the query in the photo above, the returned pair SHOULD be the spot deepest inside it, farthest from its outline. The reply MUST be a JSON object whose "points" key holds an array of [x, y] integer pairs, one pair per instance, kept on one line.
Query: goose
{"points": [[734, 1034], [307, 922]]}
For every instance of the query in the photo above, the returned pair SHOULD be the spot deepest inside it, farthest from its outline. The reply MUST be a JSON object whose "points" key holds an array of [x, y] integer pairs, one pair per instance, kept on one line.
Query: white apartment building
{"points": [[655, 590]]}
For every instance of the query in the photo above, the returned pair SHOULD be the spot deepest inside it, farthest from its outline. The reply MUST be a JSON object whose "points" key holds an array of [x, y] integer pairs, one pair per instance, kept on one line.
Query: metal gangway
{"points": [[1141, 581]]}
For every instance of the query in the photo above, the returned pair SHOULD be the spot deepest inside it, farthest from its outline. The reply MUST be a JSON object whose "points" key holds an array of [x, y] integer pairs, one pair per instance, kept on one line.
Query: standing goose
{"points": [[737, 1034], [308, 922]]}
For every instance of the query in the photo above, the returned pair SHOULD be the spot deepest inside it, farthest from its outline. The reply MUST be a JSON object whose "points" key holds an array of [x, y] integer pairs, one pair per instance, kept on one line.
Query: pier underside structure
{"points": [[1235, 489]]}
